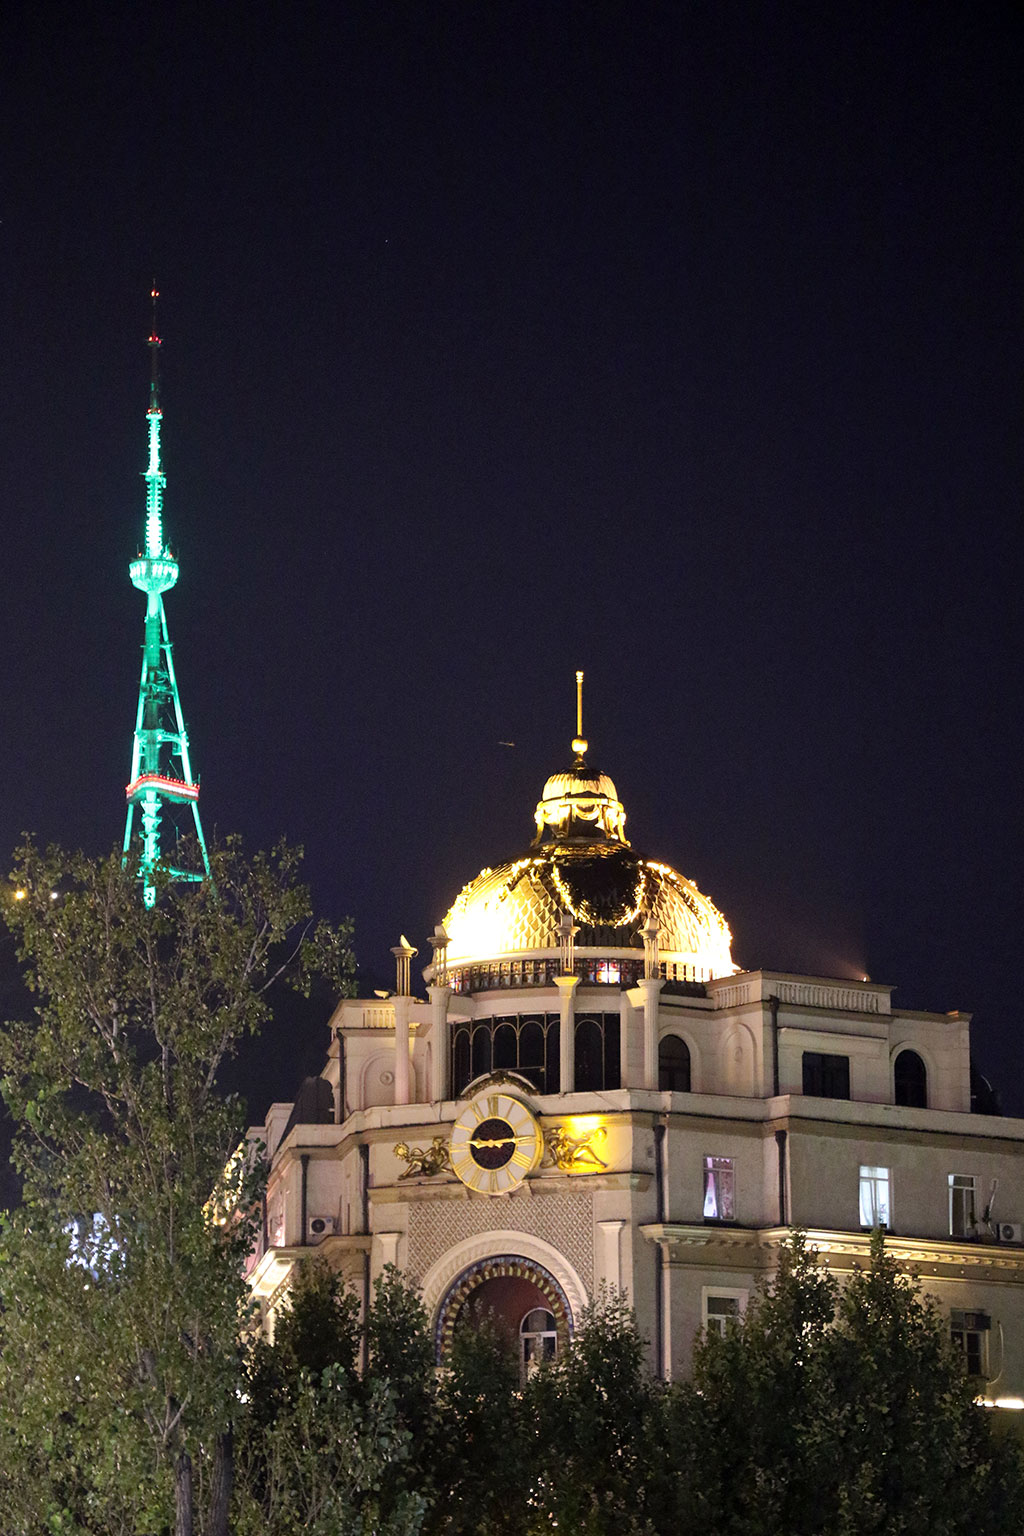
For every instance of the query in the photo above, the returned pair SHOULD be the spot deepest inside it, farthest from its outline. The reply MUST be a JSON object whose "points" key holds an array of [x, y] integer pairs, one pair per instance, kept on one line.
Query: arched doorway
{"points": [[518, 1296]]}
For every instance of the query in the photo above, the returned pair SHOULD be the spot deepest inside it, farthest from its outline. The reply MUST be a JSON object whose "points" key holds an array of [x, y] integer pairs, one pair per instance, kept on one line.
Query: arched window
{"points": [[462, 1061], [506, 1047], [589, 1052], [482, 1049], [531, 1054], [527, 1044], [911, 1080], [596, 1051], [538, 1339], [674, 1064]]}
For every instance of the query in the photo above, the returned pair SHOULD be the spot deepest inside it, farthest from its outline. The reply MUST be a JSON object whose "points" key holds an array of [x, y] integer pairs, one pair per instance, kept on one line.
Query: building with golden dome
{"points": [[591, 1092]]}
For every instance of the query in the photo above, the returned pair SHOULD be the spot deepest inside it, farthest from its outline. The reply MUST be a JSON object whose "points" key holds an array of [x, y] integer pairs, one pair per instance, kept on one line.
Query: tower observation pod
{"points": [[161, 785]]}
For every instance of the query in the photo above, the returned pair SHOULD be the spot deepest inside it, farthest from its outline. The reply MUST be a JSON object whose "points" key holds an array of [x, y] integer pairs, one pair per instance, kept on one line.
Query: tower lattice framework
{"points": [[161, 785]]}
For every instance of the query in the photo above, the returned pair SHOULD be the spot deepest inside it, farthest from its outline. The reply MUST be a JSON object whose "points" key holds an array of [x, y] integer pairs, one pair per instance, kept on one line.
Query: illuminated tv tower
{"points": [[161, 783]]}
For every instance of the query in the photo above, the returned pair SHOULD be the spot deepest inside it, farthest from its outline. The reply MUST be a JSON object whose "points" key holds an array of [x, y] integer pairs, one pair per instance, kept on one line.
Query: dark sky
{"points": [[678, 342]]}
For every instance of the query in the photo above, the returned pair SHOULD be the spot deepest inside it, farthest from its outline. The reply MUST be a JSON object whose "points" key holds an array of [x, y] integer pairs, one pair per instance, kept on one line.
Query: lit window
{"points": [[961, 1205], [609, 972], [538, 1339], [722, 1306], [719, 1175], [874, 1197], [969, 1332]]}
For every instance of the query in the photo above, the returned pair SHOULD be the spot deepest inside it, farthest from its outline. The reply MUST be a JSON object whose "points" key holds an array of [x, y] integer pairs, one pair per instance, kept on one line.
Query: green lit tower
{"points": [[161, 783]]}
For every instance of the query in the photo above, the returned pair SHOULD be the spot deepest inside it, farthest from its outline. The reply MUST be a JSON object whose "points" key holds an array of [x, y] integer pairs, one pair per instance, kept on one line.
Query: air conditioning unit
{"points": [[319, 1227], [1011, 1231]]}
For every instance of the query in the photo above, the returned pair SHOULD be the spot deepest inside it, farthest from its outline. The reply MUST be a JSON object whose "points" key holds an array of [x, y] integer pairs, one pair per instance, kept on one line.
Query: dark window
{"points": [[482, 1049], [589, 1056], [506, 1048], [462, 1069], [674, 1064], [597, 1053], [911, 1080], [532, 1053], [825, 1076]]}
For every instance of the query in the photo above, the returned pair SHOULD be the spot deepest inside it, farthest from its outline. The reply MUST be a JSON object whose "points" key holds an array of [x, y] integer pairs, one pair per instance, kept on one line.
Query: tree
{"points": [[594, 1417], [121, 1289], [484, 1468], [835, 1409], [324, 1449]]}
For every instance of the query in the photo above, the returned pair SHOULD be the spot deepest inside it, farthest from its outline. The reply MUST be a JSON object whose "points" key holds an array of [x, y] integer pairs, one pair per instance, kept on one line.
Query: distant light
{"points": [[20, 895], [54, 895]]}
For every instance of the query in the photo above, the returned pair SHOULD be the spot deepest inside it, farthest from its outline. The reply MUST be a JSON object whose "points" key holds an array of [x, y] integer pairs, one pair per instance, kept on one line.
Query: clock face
{"points": [[495, 1143]]}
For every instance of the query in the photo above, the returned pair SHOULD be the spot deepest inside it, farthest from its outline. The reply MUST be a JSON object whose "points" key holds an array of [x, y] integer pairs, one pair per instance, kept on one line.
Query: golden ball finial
{"points": [[579, 746]]}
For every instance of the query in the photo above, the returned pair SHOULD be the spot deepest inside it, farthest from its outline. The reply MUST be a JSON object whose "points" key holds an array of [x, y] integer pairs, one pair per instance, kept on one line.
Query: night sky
{"points": [[677, 342]]}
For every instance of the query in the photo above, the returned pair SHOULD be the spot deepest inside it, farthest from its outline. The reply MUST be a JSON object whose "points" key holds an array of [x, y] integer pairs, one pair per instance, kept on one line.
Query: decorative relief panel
{"points": [[565, 1221], [806, 994], [731, 997], [810, 995]]}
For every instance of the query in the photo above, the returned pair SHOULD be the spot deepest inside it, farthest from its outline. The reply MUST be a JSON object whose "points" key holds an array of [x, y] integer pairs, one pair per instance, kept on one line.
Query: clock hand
{"points": [[500, 1141]]}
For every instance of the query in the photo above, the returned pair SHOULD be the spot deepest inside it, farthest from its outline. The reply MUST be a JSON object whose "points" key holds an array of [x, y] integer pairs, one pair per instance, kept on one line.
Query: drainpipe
{"points": [[659, 1250], [341, 1111], [304, 1159], [773, 1004], [780, 1142]]}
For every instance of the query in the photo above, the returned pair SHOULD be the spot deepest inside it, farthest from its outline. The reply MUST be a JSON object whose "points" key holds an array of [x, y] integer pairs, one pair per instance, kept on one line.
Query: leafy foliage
{"points": [[327, 1449], [839, 1410], [121, 1293], [593, 1416]]}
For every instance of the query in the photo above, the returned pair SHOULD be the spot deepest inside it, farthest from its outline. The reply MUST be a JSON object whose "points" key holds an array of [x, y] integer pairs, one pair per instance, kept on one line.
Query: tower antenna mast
{"points": [[161, 783]]}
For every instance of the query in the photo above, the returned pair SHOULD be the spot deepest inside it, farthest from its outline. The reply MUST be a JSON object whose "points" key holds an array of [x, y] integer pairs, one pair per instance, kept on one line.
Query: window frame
{"points": [[718, 1173], [815, 1060], [737, 1293], [871, 1176], [965, 1325], [918, 1097], [672, 1066], [528, 1361], [968, 1183]]}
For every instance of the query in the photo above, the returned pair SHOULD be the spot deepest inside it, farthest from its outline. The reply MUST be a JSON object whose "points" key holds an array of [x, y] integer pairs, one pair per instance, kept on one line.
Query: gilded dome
{"points": [[581, 863]]}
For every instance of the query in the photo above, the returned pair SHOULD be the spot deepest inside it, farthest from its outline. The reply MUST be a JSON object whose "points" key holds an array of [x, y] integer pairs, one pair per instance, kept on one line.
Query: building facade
{"points": [[592, 1094]]}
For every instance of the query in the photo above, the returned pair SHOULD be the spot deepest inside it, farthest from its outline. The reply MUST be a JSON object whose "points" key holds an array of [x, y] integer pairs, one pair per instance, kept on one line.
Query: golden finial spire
{"points": [[579, 744]]}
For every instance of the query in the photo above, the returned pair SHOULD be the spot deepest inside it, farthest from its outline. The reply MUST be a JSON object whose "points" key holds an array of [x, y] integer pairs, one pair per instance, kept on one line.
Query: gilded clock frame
{"points": [[493, 1104]]}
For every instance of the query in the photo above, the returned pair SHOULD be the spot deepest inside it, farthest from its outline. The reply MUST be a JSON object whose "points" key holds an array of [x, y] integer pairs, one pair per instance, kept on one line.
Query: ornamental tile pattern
{"points": [[565, 1221], [517, 908]]}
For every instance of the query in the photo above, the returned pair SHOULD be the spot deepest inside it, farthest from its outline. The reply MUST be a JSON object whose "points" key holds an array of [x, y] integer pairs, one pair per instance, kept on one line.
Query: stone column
{"points": [[440, 1044], [650, 986], [611, 1233], [401, 1006], [627, 1025], [567, 1032]]}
